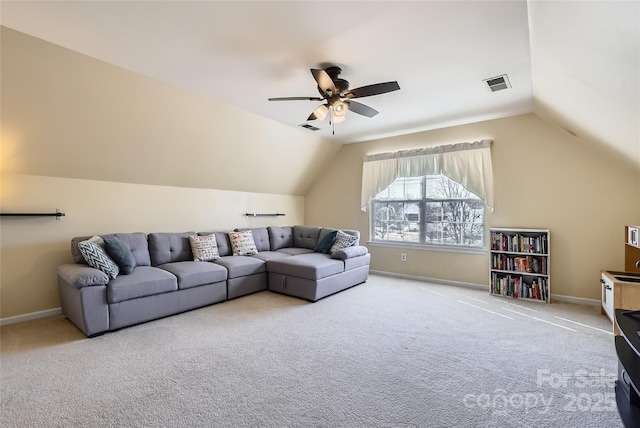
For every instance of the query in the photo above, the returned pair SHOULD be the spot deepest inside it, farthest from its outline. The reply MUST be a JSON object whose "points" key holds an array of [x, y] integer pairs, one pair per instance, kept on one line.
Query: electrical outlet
{"points": [[403, 257]]}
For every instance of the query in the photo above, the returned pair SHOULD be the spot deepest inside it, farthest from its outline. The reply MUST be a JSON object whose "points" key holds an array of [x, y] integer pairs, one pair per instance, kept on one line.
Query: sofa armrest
{"points": [[80, 275], [350, 252]]}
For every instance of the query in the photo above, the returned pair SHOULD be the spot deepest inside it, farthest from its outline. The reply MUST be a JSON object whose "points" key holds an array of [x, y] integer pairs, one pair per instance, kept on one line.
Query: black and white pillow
{"points": [[343, 240], [242, 243], [204, 248], [97, 258]]}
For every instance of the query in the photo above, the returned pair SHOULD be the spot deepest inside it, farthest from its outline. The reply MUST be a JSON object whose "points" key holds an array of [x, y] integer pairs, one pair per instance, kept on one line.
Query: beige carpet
{"points": [[388, 353]]}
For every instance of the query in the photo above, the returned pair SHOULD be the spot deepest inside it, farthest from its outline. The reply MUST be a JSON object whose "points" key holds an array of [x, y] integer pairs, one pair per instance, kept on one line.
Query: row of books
{"points": [[528, 264], [514, 286], [519, 243]]}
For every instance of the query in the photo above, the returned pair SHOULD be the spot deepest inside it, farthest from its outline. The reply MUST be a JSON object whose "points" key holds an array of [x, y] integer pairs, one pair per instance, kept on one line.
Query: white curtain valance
{"points": [[467, 163]]}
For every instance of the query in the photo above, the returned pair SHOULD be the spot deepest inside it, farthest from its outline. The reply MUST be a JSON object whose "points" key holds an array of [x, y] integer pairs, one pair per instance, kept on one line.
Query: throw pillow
{"points": [[97, 258], [96, 239], [324, 245], [343, 240], [120, 253], [242, 243], [204, 248]]}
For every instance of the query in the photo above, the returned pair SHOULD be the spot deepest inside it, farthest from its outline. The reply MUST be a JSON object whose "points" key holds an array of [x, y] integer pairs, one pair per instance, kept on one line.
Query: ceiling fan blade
{"points": [[375, 89], [319, 113], [325, 83], [296, 99], [361, 109]]}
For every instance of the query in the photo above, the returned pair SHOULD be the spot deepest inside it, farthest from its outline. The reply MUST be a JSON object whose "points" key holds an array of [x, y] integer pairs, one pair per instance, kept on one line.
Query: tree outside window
{"points": [[428, 210]]}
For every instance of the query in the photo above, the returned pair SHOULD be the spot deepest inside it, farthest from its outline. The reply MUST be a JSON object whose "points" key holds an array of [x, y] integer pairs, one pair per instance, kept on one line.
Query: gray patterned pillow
{"points": [[343, 240], [204, 248], [97, 258]]}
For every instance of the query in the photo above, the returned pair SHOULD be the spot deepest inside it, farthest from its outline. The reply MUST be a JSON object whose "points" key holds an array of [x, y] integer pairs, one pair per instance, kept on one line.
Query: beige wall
{"points": [[543, 178], [120, 152], [65, 114], [32, 248]]}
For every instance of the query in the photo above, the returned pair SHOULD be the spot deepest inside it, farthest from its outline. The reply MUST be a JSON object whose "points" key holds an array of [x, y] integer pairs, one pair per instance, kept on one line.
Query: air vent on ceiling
{"points": [[498, 83], [310, 127]]}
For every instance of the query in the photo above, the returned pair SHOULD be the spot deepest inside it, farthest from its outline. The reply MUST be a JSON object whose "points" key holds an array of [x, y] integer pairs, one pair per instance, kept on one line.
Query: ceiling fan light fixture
{"points": [[337, 95], [340, 109], [319, 113], [338, 119]]}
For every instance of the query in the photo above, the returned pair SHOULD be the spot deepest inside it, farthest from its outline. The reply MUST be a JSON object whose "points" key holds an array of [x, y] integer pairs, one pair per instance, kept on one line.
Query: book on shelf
{"points": [[514, 286], [519, 243]]}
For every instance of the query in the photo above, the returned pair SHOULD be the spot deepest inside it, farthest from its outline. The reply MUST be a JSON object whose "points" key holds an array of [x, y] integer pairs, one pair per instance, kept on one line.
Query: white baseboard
{"points": [[30, 316], [554, 297], [435, 280], [576, 300]]}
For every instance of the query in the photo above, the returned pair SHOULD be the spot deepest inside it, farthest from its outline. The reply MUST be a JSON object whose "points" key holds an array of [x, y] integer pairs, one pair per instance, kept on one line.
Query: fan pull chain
{"points": [[332, 123]]}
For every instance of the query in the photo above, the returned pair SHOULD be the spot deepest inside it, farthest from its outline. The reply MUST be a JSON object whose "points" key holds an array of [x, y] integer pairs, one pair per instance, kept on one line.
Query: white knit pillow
{"points": [[242, 243], [204, 248]]}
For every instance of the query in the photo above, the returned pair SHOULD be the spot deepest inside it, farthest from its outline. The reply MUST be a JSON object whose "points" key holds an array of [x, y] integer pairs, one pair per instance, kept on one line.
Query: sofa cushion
{"points": [[143, 281], [138, 245], [293, 251], [270, 255], [242, 243], [343, 240], [280, 237], [97, 258], [238, 266], [120, 253], [260, 237], [308, 266], [204, 248], [325, 242], [170, 247], [192, 273], [349, 252], [305, 236]]}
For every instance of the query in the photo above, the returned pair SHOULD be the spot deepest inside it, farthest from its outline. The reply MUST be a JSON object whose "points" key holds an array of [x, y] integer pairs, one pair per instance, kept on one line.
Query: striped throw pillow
{"points": [[97, 258]]}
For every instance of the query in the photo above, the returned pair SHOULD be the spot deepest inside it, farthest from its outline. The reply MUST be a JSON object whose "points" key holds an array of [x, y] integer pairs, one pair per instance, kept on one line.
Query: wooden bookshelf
{"points": [[519, 264]]}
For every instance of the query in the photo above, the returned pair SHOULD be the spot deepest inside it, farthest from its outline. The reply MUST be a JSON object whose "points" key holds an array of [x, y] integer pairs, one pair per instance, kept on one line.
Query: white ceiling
{"points": [[243, 52]]}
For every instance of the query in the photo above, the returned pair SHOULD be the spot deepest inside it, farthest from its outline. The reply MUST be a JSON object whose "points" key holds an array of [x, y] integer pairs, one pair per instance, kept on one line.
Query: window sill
{"points": [[445, 248]]}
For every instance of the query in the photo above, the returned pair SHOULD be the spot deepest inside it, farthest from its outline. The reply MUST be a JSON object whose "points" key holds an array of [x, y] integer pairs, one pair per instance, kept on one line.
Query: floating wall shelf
{"points": [[58, 214], [263, 215]]}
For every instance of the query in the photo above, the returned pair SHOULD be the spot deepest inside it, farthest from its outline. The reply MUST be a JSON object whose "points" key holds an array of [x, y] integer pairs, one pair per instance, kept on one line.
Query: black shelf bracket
{"points": [[58, 214], [276, 214]]}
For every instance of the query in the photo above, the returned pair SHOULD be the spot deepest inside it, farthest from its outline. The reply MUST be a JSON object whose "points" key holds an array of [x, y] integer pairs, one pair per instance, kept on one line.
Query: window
{"points": [[428, 210], [433, 196]]}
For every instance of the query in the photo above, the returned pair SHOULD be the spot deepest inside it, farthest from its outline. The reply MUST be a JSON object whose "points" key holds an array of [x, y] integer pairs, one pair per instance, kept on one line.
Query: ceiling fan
{"points": [[335, 91]]}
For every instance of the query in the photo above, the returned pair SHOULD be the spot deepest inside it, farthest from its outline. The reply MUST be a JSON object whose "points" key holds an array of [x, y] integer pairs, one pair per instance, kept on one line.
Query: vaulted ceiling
{"points": [[576, 64]]}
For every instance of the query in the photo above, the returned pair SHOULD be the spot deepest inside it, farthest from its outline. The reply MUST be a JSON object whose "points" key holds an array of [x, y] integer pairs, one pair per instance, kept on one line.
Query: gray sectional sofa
{"points": [[166, 280]]}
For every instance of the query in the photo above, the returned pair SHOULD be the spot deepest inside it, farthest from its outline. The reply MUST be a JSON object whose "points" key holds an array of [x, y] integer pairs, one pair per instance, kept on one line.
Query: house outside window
{"points": [[430, 210]]}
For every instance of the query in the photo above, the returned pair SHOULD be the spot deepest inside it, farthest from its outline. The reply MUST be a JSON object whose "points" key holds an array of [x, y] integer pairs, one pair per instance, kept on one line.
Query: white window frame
{"points": [[423, 222]]}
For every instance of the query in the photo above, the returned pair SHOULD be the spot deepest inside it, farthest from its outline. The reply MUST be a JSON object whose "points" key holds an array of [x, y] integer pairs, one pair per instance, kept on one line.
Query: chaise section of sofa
{"points": [[312, 275]]}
